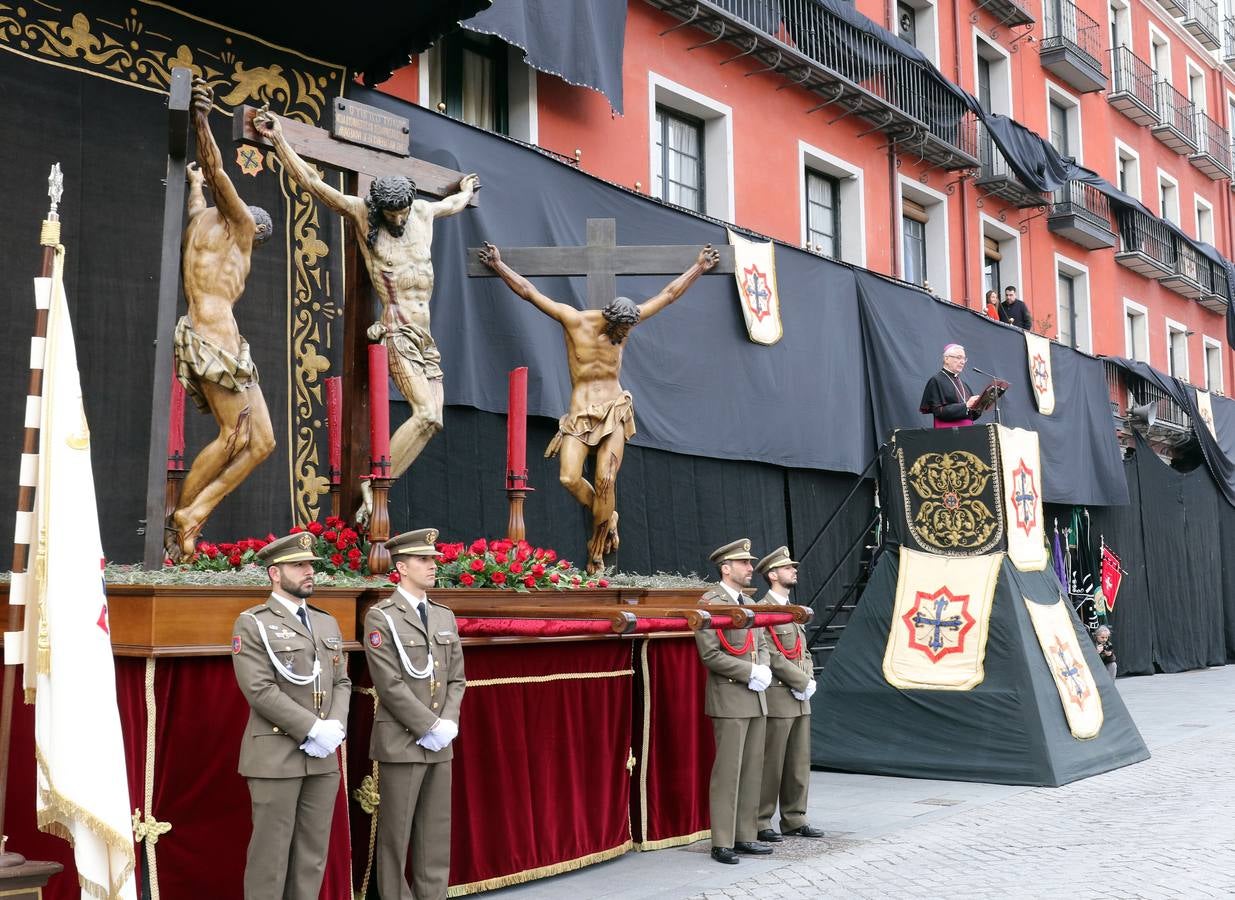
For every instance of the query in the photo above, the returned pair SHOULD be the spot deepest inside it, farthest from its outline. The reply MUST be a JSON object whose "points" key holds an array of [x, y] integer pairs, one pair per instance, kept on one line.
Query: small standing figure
{"points": [[1106, 649], [416, 661], [394, 230], [212, 359], [602, 414], [786, 751], [946, 397], [292, 669]]}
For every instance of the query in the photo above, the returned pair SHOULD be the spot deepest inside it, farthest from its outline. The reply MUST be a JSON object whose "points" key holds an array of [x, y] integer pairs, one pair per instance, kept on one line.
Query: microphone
{"points": [[980, 372]]}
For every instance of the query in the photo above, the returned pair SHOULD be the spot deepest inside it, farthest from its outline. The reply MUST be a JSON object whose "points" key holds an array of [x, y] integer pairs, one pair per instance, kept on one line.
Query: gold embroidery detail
{"points": [[951, 515]]}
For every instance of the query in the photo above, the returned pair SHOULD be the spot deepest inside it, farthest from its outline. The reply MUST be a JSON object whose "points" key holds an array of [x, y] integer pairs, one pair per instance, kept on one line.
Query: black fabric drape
{"points": [[904, 332], [579, 42], [1219, 450]]}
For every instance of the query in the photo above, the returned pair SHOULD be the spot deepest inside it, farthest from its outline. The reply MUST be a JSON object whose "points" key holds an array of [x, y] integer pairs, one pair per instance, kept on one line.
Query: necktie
{"points": [[303, 616], [422, 608]]}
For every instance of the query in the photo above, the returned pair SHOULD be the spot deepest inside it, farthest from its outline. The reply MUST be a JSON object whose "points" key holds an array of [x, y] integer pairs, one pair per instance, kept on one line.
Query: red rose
{"points": [[500, 546], [354, 553], [341, 544], [478, 546], [316, 528], [522, 554], [234, 559], [269, 537], [347, 536], [575, 580], [354, 565], [466, 579], [563, 565], [555, 578], [538, 570], [529, 581], [296, 529], [478, 565], [448, 553], [393, 577], [334, 522], [330, 535], [516, 568], [602, 583], [550, 555], [500, 557], [590, 585], [336, 559], [498, 577], [212, 553]]}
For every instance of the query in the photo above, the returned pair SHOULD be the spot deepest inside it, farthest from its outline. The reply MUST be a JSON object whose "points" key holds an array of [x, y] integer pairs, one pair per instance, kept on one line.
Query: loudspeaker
{"points": [[1146, 413]]}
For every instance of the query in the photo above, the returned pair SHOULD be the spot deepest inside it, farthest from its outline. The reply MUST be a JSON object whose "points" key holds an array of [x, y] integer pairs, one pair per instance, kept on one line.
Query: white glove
{"points": [[760, 678], [431, 742], [313, 748], [446, 731], [329, 733], [806, 694]]}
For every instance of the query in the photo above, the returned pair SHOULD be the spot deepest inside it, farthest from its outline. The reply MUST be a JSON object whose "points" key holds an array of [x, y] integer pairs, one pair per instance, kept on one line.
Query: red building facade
{"points": [[786, 120]]}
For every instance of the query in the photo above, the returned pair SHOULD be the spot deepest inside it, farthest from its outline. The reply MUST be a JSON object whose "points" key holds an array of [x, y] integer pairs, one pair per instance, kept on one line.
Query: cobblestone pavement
{"points": [[1163, 828]]}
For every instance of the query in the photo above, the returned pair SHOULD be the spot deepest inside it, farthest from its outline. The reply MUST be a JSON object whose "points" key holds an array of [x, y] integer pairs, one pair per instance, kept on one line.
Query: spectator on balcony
{"points": [[1014, 311], [990, 304], [946, 396]]}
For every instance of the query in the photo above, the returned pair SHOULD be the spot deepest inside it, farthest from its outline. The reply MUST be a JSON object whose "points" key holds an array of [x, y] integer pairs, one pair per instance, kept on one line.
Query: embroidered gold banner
{"points": [[1041, 375], [1077, 691], [937, 637], [1022, 484]]}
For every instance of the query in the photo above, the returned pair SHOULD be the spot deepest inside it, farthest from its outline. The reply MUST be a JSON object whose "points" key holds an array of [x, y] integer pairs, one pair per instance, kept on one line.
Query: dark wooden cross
{"points": [[602, 259]]}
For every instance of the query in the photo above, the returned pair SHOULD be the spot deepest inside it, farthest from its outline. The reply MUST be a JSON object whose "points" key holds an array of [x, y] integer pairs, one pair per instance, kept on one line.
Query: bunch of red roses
{"points": [[224, 557], [341, 548], [513, 565]]}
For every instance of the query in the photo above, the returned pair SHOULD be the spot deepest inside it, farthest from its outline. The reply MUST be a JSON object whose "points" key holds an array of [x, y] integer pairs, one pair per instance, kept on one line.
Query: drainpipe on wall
{"points": [[964, 185]]}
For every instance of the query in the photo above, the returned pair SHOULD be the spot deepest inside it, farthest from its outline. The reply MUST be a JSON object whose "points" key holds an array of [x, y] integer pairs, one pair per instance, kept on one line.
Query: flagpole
{"points": [[49, 237]]}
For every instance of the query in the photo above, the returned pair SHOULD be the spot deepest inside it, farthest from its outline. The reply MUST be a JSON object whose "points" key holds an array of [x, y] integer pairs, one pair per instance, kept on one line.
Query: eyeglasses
{"points": [[955, 356]]}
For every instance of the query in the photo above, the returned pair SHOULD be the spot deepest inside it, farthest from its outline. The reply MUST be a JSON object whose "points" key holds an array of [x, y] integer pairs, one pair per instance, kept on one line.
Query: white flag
{"points": [[1041, 375], [83, 793], [754, 268], [1205, 406]]}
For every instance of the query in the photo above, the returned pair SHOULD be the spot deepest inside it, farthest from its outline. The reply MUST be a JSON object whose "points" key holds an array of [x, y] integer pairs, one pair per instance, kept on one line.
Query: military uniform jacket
{"points": [[408, 707], [282, 713], [787, 673], [726, 695]]}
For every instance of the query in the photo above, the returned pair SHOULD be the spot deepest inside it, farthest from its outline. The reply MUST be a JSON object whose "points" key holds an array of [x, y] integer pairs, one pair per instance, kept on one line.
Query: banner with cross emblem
{"points": [[1020, 461], [1041, 375], [1078, 692], [937, 638], [754, 267], [1205, 407]]}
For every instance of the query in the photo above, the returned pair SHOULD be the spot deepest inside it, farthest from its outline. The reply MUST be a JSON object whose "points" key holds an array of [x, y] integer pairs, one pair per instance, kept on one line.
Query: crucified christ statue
{"points": [[212, 359], [395, 232], [601, 415]]}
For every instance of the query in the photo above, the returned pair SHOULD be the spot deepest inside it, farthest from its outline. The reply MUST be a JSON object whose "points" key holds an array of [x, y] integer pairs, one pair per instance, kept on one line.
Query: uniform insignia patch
{"points": [[282, 633], [235, 643], [375, 638]]}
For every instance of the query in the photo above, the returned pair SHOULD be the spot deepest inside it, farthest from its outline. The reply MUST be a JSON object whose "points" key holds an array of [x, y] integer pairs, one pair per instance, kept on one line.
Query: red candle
{"points": [[379, 411], [334, 426], [516, 430], [175, 427]]}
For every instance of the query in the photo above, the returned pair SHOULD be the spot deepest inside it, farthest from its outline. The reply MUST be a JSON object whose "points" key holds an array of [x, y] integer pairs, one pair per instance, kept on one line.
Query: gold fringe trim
{"points": [[665, 843], [58, 810], [30, 696], [543, 679], [570, 865]]}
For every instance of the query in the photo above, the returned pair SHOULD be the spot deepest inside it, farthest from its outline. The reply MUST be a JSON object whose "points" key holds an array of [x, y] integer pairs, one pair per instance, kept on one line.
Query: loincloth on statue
{"points": [[414, 345], [595, 423], [200, 359]]}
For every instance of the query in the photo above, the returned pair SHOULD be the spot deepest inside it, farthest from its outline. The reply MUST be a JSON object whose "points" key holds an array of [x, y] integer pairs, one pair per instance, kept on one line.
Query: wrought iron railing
{"points": [[1139, 233], [1228, 38], [1132, 75], [1204, 13], [893, 77], [1176, 110], [1219, 281], [1213, 139], [1085, 201], [1192, 265], [1128, 390], [1067, 26]]}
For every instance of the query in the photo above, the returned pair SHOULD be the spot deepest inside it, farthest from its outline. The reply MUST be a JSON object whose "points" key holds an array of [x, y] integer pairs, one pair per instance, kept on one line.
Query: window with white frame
{"points": [[833, 211], [917, 23], [477, 80], [1168, 197], [1127, 170], [1177, 349], [1064, 121], [1072, 320], [691, 148], [924, 237], [1136, 331], [1213, 365], [1001, 252], [1121, 23], [1204, 220], [1196, 86], [1159, 54]]}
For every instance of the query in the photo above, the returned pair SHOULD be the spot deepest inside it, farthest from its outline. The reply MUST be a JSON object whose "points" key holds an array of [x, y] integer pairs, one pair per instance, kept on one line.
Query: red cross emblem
{"points": [[938, 623], [1041, 374], [1068, 671], [757, 292], [1024, 497]]}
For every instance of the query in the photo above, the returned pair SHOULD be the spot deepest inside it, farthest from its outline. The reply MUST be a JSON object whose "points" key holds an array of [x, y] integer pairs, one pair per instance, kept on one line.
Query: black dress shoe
{"points": [[772, 837], [754, 848], [804, 831], [725, 855]]}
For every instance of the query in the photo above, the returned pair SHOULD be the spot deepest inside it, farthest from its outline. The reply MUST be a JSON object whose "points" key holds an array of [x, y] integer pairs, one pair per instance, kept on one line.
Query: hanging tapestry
{"points": [[1022, 484], [1041, 376], [1077, 691], [754, 268]]}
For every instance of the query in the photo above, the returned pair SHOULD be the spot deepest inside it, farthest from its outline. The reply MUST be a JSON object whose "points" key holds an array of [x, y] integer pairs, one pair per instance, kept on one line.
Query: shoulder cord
{"points": [[284, 671], [737, 651], [407, 663], [794, 654]]}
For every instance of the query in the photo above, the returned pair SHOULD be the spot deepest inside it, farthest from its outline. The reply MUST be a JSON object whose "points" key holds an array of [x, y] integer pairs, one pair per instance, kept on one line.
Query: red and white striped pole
{"points": [[23, 529]]}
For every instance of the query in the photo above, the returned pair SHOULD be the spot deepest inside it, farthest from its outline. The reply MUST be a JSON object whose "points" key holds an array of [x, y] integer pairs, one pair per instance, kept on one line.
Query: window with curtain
{"points": [[823, 213], [678, 163], [468, 72], [914, 219]]}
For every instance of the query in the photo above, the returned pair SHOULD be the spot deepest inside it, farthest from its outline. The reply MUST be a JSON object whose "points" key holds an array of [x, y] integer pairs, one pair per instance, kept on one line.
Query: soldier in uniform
{"points": [[738, 674], [786, 749], [291, 668], [412, 646]]}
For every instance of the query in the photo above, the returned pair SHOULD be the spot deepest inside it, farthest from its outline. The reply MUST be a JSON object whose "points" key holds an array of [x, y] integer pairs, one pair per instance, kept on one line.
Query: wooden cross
{"points": [[602, 259]]}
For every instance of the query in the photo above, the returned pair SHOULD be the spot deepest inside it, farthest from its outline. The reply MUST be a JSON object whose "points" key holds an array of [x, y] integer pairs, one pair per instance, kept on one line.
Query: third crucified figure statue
{"points": [[601, 415]]}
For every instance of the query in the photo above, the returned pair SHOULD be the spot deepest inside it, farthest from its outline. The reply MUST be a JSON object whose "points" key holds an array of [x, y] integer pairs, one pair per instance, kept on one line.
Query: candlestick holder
{"points": [[336, 483], [517, 490], [379, 525]]}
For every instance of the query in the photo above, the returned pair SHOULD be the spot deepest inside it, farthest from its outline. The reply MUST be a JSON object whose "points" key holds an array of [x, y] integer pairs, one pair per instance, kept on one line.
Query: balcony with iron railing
{"points": [[1213, 148], [1146, 245], [1128, 392], [1218, 298], [1132, 87], [846, 67], [1200, 17], [1008, 12], [1192, 275], [1228, 41], [996, 177], [1176, 126], [1082, 214], [1072, 46]]}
